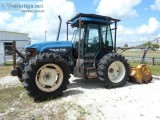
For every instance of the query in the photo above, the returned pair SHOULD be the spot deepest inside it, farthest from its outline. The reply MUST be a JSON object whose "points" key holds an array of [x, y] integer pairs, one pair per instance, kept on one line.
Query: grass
{"points": [[15, 103], [82, 112], [5, 70], [154, 69], [6, 99], [138, 53], [150, 54], [12, 104]]}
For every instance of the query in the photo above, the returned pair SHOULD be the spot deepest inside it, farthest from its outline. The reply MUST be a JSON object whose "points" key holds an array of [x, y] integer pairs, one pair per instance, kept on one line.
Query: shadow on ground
{"points": [[92, 84], [85, 83], [76, 85], [73, 87]]}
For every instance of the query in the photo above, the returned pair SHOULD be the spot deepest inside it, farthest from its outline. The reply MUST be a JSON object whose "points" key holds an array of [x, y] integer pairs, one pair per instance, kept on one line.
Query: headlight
{"points": [[30, 52]]}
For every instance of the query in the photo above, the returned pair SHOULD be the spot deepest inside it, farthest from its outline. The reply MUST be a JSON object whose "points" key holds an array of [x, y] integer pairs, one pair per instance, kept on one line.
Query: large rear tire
{"points": [[46, 77], [113, 70]]}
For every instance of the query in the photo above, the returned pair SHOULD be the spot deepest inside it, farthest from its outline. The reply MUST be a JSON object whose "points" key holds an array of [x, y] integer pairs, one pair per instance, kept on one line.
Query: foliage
{"points": [[126, 45], [150, 44], [147, 43], [155, 45]]}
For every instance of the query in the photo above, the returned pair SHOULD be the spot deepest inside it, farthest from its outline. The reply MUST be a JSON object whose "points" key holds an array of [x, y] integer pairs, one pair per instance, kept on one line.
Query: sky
{"points": [[140, 19]]}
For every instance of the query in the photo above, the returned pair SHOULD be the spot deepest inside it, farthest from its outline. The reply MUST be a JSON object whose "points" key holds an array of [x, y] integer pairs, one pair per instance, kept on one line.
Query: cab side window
{"points": [[106, 36]]}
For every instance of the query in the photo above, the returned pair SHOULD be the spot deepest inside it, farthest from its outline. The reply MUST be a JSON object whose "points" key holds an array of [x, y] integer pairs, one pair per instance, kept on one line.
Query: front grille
{"points": [[30, 52]]}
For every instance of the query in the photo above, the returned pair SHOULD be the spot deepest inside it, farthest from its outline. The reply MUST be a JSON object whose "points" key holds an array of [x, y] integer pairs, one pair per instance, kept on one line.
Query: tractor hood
{"points": [[43, 46]]}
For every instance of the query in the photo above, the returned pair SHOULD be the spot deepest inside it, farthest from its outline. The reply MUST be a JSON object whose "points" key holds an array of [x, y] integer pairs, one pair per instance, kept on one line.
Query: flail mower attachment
{"points": [[140, 74]]}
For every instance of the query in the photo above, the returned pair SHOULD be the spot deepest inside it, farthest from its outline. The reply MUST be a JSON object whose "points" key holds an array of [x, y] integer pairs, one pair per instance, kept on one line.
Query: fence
{"points": [[134, 55], [151, 57]]}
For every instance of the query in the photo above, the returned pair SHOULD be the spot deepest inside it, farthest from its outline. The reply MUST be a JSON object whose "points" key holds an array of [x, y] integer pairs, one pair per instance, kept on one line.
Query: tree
{"points": [[126, 45], [151, 45], [147, 43], [155, 45]]}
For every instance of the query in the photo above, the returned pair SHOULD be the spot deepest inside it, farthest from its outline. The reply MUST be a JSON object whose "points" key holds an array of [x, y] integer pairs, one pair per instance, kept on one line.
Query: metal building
{"points": [[6, 40]]}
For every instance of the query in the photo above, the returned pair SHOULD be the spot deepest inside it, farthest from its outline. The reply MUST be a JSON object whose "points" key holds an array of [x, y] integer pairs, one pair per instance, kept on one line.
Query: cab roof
{"points": [[92, 18]]}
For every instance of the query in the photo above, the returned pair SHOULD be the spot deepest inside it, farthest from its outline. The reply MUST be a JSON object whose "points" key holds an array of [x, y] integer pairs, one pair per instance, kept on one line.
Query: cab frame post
{"points": [[14, 53]]}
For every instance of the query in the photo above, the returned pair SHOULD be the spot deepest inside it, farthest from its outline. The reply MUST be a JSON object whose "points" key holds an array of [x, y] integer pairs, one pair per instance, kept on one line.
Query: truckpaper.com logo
{"points": [[22, 6]]}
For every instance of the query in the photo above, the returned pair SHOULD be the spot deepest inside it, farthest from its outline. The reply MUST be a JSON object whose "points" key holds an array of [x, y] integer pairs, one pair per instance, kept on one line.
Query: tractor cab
{"points": [[95, 37]]}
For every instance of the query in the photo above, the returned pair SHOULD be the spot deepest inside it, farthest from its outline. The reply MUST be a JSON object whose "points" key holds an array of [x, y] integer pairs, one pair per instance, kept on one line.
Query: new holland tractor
{"points": [[46, 67]]}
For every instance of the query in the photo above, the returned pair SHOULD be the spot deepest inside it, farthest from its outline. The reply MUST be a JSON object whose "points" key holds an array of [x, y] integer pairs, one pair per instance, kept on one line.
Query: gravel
{"points": [[9, 81], [131, 102]]}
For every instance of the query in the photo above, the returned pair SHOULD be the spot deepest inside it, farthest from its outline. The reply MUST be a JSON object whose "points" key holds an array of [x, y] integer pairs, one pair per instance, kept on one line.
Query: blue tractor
{"points": [[46, 67]]}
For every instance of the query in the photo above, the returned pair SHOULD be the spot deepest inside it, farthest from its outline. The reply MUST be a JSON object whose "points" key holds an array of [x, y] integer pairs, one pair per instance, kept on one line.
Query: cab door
{"points": [[91, 40]]}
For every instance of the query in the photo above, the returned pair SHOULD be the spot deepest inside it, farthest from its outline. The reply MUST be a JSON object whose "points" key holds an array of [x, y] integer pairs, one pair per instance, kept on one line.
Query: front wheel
{"points": [[113, 70], [46, 77], [49, 77]]}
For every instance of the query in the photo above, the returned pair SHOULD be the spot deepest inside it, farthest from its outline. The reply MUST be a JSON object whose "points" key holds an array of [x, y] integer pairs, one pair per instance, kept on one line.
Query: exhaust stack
{"points": [[60, 22]]}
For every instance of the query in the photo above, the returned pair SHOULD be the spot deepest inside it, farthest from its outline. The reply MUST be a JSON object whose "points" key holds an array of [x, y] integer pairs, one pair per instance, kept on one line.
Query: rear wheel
{"points": [[113, 70], [46, 77]]}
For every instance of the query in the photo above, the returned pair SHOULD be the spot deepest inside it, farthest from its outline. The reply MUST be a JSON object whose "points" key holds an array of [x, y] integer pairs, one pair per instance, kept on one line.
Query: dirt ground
{"points": [[88, 100]]}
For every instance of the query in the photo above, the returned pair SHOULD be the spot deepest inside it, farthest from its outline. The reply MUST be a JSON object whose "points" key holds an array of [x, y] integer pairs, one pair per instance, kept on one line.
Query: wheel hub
{"points": [[49, 77], [116, 71], [111, 70]]}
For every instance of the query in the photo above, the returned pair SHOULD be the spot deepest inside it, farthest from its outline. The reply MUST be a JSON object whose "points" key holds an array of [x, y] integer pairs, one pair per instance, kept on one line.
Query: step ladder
{"points": [[91, 72]]}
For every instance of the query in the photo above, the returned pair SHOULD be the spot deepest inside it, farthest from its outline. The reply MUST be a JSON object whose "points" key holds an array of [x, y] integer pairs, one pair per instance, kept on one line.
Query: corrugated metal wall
{"points": [[6, 39], [2, 53]]}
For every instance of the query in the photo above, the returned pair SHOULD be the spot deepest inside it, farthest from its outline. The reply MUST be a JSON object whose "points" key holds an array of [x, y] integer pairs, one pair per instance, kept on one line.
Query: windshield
{"points": [[76, 33]]}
